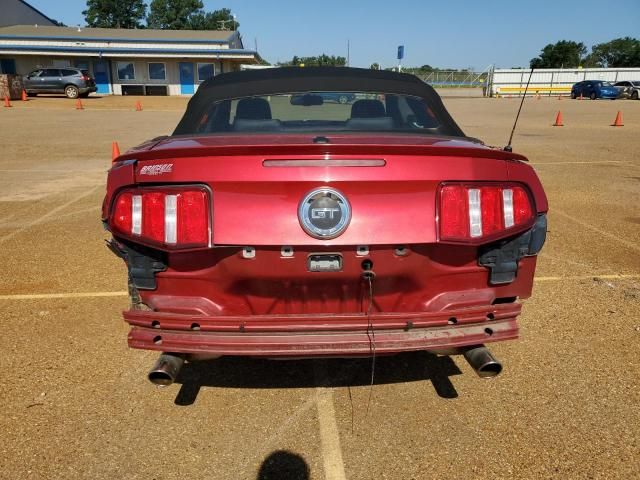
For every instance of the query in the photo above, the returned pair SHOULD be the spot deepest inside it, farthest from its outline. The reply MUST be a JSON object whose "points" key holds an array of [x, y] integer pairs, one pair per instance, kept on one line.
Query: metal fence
{"points": [[455, 78], [550, 82]]}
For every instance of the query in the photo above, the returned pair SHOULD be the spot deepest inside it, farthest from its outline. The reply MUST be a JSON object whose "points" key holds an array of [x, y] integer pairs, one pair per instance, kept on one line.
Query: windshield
{"points": [[322, 112], [635, 84]]}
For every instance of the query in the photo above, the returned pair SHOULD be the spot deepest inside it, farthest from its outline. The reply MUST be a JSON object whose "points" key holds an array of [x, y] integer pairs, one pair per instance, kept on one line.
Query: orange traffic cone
{"points": [[115, 151], [559, 97], [79, 105], [24, 95], [7, 102], [559, 120], [138, 106], [618, 120]]}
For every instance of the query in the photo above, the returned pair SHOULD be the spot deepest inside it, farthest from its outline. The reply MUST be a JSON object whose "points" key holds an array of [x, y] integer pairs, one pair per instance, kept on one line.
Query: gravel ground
{"points": [[76, 403]]}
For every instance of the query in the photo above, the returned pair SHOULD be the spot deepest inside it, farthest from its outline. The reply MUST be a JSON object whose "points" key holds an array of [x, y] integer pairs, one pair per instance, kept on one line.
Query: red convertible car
{"points": [[273, 224]]}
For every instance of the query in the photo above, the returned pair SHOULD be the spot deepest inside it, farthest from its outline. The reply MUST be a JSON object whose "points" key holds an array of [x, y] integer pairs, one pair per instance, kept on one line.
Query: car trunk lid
{"points": [[258, 182]]}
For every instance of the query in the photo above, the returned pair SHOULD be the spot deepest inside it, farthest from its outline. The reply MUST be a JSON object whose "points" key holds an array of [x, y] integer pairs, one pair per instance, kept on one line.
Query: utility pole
{"points": [[348, 54]]}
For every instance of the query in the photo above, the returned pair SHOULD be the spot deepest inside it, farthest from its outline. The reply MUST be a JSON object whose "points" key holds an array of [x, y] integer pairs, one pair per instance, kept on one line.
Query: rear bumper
{"points": [[319, 335]]}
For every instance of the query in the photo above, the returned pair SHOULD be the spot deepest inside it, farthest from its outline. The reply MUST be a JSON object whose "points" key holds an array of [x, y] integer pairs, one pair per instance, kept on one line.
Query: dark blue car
{"points": [[594, 89]]}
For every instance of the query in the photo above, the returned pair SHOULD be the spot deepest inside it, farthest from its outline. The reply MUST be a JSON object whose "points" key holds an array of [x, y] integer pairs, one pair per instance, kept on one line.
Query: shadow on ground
{"points": [[281, 465], [239, 372]]}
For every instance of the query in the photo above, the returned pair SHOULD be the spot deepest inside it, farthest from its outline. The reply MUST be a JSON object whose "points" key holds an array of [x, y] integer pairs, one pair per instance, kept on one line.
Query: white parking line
{"points": [[269, 443], [632, 245], [329, 435], [48, 214]]}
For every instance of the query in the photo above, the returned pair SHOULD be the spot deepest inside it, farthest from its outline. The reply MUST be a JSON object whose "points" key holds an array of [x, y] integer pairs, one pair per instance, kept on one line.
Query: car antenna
{"points": [[508, 147]]}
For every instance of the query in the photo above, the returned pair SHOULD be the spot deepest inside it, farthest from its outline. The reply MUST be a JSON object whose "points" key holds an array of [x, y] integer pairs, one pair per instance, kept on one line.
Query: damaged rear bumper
{"points": [[319, 335]]}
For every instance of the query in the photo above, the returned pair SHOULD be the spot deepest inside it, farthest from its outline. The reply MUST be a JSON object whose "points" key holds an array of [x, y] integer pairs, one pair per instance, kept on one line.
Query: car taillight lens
{"points": [[169, 217], [475, 212]]}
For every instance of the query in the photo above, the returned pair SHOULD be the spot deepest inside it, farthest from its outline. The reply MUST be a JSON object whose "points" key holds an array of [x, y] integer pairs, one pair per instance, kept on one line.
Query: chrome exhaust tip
{"points": [[482, 361], [166, 369]]}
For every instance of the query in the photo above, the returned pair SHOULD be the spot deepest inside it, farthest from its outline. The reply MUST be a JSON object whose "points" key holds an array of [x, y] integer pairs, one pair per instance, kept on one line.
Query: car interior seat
{"points": [[253, 109], [254, 114], [369, 115], [367, 109]]}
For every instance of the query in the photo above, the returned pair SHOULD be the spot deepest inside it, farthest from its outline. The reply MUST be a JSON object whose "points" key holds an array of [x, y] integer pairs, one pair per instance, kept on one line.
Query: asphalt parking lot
{"points": [[76, 402]]}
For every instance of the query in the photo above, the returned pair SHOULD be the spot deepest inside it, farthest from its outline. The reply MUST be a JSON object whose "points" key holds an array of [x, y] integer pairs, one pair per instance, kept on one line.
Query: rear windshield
{"points": [[320, 112]]}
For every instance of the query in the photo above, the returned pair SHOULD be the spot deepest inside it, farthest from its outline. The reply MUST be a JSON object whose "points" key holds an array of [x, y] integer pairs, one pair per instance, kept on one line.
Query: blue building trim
{"points": [[106, 51], [112, 39]]}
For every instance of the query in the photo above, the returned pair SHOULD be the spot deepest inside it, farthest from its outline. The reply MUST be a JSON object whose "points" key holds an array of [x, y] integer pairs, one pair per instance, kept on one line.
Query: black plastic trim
{"points": [[502, 258], [142, 262]]}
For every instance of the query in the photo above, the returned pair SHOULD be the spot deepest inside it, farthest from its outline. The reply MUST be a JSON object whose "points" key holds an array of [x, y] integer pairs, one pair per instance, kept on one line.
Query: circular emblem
{"points": [[324, 213]]}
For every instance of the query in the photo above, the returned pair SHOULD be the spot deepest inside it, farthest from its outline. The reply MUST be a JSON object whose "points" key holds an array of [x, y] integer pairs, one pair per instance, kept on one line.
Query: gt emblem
{"points": [[324, 213]]}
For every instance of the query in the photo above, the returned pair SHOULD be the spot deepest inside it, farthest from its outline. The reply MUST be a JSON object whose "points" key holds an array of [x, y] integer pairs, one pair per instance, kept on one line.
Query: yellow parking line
{"points": [[124, 293], [577, 163], [37, 296], [586, 277]]}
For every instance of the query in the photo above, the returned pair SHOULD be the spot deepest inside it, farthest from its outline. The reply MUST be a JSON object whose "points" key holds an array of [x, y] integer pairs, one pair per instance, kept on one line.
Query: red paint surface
{"points": [[270, 305]]}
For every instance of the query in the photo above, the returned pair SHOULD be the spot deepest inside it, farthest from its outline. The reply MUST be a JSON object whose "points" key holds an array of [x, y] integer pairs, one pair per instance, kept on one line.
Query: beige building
{"points": [[126, 61]]}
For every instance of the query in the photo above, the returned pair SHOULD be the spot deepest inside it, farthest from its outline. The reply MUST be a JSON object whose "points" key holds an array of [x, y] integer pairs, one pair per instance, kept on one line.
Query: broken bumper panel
{"points": [[320, 335]]}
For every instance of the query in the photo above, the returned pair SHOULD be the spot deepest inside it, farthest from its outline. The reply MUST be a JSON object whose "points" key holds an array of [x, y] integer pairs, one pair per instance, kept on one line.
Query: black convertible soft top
{"points": [[272, 81]]}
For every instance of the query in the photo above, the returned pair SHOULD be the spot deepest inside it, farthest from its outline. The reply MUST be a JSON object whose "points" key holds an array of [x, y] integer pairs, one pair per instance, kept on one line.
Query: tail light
{"points": [[165, 217], [474, 213]]}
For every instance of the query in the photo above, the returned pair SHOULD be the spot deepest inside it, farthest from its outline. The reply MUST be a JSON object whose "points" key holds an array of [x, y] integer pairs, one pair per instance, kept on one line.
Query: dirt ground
{"points": [[76, 402]]}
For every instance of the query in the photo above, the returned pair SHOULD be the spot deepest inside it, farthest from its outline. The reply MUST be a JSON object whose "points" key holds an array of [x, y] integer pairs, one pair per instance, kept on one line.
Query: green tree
{"points": [[620, 52], [375, 66], [565, 53], [115, 13], [216, 20], [319, 61], [173, 14], [188, 15]]}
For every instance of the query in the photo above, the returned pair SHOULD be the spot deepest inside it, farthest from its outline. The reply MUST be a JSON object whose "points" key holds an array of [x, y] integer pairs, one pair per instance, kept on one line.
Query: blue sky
{"points": [[456, 34]]}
